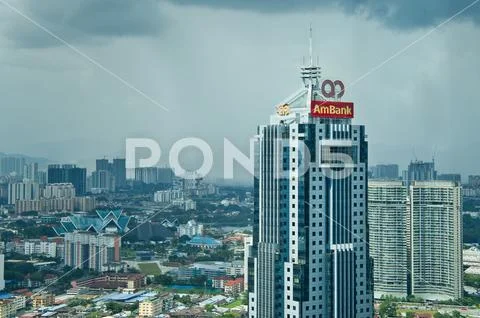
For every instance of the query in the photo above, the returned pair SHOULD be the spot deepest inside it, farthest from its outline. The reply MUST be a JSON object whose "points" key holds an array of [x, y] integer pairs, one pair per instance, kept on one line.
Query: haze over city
{"points": [[220, 68]]}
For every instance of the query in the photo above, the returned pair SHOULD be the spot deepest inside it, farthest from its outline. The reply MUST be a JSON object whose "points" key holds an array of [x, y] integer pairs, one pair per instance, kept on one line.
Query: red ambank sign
{"points": [[330, 109]]}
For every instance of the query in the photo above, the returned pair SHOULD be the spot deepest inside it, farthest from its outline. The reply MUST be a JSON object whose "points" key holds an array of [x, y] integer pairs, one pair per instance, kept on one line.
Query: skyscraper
{"points": [[310, 253], [23, 191], [436, 240], [12, 165], [419, 171], [116, 169], [69, 174], [385, 171], [388, 231]]}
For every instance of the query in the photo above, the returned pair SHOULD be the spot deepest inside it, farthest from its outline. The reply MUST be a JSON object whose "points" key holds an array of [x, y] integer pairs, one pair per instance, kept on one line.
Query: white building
{"points": [[166, 196], [40, 247], [436, 240], [23, 191], [388, 233], [236, 268], [247, 243], [191, 229], [59, 191]]}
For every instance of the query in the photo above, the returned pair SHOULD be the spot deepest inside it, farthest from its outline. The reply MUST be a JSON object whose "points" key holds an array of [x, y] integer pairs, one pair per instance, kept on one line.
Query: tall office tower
{"points": [[69, 174], [23, 191], [388, 232], [310, 254], [119, 171], [116, 168], [436, 240], [386, 172], [102, 164], [419, 171], [11, 165]]}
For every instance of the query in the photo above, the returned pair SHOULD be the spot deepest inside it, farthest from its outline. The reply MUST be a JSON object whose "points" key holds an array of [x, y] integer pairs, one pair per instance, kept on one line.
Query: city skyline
{"points": [[395, 99]]}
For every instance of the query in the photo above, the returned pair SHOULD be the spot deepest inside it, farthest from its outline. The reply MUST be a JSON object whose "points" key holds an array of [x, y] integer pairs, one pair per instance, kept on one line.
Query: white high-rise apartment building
{"points": [[436, 239], [388, 231], [23, 191], [59, 191]]}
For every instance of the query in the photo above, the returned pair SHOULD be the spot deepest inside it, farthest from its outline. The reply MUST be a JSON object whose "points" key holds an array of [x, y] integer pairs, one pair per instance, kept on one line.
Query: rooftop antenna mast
{"points": [[311, 45], [311, 73]]}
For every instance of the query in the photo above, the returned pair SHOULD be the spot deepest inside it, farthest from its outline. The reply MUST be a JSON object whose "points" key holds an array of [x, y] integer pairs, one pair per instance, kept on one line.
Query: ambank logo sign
{"points": [[330, 109]]}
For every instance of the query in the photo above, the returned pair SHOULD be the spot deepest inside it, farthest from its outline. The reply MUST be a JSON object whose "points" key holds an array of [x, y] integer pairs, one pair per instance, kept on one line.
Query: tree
{"points": [[115, 308], [209, 307], [388, 308], [165, 280], [410, 314]]}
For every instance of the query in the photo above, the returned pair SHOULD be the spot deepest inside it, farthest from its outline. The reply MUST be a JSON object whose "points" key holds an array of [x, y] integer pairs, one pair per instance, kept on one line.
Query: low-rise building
{"points": [[234, 286], [154, 307], [43, 300]]}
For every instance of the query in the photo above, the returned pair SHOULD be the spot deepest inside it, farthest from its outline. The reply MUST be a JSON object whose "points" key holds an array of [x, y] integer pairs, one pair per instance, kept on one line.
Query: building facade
{"points": [[388, 231], [93, 242], [23, 191], [385, 171], [436, 240], [69, 174], [310, 253]]}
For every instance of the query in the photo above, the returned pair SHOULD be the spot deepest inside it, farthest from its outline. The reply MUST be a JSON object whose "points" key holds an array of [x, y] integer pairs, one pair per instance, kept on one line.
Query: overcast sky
{"points": [[220, 67]]}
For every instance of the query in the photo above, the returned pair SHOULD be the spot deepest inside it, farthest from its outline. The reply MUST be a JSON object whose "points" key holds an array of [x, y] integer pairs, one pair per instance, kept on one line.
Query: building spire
{"points": [[311, 45], [310, 73]]}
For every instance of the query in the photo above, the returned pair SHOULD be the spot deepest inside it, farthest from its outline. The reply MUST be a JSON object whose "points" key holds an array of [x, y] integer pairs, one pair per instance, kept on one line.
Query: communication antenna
{"points": [[311, 45]]}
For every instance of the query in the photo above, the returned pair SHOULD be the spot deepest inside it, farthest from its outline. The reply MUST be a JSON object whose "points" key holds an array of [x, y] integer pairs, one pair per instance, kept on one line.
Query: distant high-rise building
{"points": [[12, 165], [30, 172], [103, 180], [454, 177], [69, 174], [59, 191], [120, 172], [102, 164], [310, 254], [155, 175], [23, 191], [117, 170], [420, 171], [474, 181], [436, 240], [385, 171], [388, 231], [165, 176], [42, 177]]}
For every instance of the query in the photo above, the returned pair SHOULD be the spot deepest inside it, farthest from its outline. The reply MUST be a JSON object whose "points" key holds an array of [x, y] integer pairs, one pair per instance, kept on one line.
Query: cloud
{"points": [[82, 21], [404, 14]]}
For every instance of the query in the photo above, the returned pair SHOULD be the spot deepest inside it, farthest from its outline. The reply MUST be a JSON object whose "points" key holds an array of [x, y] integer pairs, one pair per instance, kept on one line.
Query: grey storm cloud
{"points": [[396, 14], [83, 20]]}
